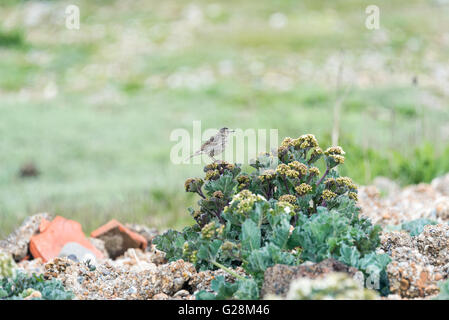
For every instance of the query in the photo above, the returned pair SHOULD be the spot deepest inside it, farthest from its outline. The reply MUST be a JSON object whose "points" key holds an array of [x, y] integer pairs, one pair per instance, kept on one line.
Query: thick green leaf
{"points": [[415, 227], [251, 235]]}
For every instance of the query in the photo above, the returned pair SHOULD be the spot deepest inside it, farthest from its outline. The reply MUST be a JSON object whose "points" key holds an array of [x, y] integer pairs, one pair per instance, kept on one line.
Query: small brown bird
{"points": [[215, 145]]}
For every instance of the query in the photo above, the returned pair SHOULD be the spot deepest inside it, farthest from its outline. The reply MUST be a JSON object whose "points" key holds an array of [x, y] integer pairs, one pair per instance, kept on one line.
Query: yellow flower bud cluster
{"points": [[353, 196], [192, 184], [187, 184], [267, 175], [245, 201], [227, 246], [292, 174], [218, 194], [282, 169], [196, 213], [342, 185], [328, 195], [305, 142], [190, 255], [334, 151], [282, 151], [314, 171], [317, 152], [212, 175], [287, 207], [336, 154], [220, 230], [287, 142], [299, 167], [288, 198], [347, 182], [243, 181], [211, 166], [303, 189], [221, 167], [229, 166], [209, 230], [338, 159]]}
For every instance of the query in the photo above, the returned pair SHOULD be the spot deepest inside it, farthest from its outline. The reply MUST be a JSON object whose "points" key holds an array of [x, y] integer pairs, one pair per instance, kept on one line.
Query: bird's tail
{"points": [[193, 155]]}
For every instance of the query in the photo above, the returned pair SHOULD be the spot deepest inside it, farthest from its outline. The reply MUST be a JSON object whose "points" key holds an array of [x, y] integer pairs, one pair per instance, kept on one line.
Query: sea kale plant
{"points": [[22, 286], [15, 284], [285, 210]]}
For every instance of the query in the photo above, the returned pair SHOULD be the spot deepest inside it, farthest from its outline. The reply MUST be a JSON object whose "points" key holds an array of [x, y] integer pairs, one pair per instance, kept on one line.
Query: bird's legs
{"points": [[215, 160]]}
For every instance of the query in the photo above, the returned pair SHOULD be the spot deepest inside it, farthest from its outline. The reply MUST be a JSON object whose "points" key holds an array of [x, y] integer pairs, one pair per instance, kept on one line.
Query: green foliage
{"points": [[422, 166], [283, 212], [11, 38], [18, 287], [372, 265], [415, 227], [323, 235], [7, 265], [444, 291], [244, 289], [413, 165]]}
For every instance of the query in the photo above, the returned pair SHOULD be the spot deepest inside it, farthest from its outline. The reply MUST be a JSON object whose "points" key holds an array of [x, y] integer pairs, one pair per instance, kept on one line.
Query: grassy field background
{"points": [[93, 108]]}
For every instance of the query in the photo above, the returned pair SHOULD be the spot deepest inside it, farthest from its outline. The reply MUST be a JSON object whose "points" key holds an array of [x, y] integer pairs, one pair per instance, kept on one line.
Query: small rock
{"points": [[30, 294], [160, 296], [333, 285], [181, 294], [99, 244], [438, 276], [17, 242], [441, 184], [417, 262], [386, 186], [278, 278], [202, 280], [76, 252], [32, 266], [72, 257]]}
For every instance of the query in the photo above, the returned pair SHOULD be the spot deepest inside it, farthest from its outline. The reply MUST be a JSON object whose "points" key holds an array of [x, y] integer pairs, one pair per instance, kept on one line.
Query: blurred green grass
{"points": [[93, 108]]}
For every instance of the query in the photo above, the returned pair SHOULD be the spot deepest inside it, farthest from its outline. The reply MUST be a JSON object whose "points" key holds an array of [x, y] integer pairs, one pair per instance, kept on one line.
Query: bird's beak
{"points": [[231, 131]]}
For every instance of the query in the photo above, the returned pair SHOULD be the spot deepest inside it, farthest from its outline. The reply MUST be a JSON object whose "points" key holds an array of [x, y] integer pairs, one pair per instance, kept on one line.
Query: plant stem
{"points": [[200, 192], [324, 176], [286, 185], [234, 274]]}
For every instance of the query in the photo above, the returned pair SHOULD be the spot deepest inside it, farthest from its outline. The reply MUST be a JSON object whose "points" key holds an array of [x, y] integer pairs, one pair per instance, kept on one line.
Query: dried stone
{"points": [[114, 280], [202, 280], [181, 293], [161, 296], [100, 246], [333, 285], [17, 242], [279, 277], [417, 262], [441, 184]]}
